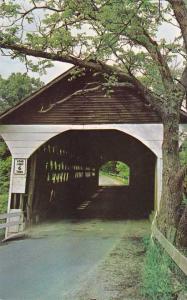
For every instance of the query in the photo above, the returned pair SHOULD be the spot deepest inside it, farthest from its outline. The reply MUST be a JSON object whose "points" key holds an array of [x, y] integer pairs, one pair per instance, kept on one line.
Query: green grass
{"points": [[157, 278]]}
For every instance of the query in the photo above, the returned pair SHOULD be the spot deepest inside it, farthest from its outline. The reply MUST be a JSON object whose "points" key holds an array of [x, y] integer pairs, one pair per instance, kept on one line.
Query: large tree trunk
{"points": [[181, 237], [169, 214]]}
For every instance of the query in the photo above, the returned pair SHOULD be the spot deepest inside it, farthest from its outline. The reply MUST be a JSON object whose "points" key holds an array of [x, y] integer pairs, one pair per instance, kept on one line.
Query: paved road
{"points": [[105, 180], [56, 259]]}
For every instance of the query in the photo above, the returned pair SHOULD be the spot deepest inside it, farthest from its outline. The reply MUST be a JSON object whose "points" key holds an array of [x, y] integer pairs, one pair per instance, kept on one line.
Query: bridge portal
{"points": [[60, 136]]}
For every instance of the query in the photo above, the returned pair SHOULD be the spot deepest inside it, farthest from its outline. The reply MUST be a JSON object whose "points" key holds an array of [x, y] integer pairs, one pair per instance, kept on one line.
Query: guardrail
{"points": [[9, 216], [174, 253]]}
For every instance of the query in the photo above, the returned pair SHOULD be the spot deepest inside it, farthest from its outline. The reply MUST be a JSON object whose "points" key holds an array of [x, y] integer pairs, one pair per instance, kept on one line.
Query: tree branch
{"points": [[95, 65], [98, 66], [83, 92], [153, 49], [150, 97], [180, 11]]}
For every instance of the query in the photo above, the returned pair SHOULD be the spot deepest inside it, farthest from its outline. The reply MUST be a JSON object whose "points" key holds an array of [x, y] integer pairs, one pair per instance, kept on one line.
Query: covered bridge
{"points": [[60, 136]]}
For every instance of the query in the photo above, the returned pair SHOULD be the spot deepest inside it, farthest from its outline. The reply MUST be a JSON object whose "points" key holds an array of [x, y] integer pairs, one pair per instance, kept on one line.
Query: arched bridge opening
{"points": [[114, 173], [63, 177]]}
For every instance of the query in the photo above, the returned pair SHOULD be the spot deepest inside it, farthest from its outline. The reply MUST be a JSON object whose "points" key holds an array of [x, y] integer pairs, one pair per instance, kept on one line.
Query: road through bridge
{"points": [[58, 260], [74, 259]]}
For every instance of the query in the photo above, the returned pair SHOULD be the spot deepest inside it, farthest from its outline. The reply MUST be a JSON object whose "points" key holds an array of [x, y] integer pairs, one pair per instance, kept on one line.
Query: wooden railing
{"points": [[9, 216], [172, 251]]}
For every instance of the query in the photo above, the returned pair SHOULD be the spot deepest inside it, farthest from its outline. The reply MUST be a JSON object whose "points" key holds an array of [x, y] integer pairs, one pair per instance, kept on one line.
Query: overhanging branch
{"points": [[84, 91], [94, 65], [150, 97], [97, 66], [180, 11]]}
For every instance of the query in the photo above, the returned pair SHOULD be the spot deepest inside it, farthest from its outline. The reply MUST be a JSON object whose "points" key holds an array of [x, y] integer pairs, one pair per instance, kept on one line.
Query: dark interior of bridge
{"points": [[66, 182]]}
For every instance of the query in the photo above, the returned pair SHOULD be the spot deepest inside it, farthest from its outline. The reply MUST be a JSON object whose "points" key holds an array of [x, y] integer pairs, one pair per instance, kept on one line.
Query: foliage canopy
{"points": [[16, 87], [119, 38]]}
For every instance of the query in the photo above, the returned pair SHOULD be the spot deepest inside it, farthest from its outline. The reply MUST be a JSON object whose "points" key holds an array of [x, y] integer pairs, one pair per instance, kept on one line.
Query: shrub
{"points": [[3, 203], [5, 166], [5, 174]]}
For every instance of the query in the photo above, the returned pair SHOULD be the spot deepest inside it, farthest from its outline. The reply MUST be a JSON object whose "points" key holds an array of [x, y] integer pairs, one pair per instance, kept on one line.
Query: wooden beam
{"points": [[174, 253], [10, 215], [31, 188], [9, 224]]}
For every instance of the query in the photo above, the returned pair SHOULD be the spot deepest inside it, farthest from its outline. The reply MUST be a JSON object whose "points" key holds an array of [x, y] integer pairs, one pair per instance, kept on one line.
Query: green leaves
{"points": [[122, 33], [183, 153], [15, 88], [9, 9], [5, 164]]}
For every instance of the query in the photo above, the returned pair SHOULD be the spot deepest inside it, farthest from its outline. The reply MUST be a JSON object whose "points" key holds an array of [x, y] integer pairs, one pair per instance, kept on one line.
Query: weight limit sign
{"points": [[19, 166]]}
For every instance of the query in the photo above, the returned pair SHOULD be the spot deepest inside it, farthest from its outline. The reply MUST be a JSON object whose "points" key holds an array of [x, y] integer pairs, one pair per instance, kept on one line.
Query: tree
{"points": [[118, 39], [109, 167], [15, 88], [5, 163], [123, 170]]}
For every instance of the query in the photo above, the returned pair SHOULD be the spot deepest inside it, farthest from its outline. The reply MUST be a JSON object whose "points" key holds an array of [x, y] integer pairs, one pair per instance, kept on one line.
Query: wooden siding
{"points": [[122, 106]]}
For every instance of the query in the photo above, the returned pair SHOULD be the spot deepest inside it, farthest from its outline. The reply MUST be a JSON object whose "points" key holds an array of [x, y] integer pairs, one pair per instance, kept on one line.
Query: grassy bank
{"points": [[159, 278]]}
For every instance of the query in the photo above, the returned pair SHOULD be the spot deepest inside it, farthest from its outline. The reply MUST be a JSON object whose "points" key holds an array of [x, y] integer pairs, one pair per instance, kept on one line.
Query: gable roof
{"points": [[36, 93], [62, 101]]}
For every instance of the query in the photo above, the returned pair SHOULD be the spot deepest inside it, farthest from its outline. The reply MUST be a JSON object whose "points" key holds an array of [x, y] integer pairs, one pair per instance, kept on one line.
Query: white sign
{"points": [[18, 184], [19, 166]]}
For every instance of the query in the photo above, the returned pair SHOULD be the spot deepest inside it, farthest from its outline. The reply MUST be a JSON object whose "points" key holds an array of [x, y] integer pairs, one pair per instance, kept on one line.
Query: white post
{"points": [[17, 186], [10, 186], [10, 193]]}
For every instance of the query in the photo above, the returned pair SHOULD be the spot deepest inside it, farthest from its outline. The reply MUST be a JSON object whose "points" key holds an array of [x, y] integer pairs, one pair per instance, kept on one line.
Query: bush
{"points": [[5, 166], [157, 280], [3, 203]]}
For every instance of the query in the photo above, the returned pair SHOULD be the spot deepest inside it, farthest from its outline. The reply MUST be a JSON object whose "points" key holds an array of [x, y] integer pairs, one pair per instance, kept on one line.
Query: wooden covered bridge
{"points": [[60, 136]]}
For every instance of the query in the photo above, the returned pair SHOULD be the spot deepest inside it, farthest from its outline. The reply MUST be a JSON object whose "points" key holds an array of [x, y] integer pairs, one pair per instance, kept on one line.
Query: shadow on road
{"points": [[106, 203]]}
